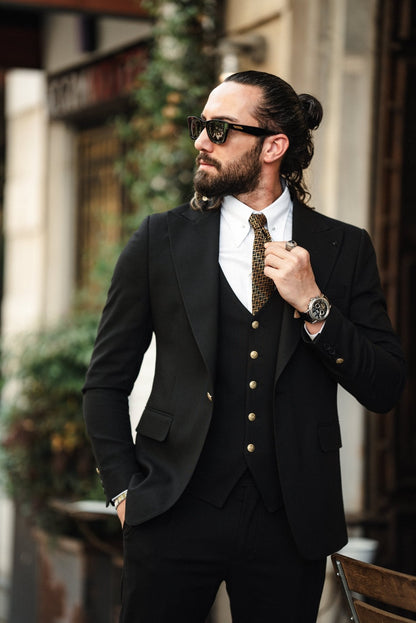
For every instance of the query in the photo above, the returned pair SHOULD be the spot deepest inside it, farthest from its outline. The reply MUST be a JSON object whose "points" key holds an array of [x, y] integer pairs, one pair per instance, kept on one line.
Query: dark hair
{"points": [[282, 110]]}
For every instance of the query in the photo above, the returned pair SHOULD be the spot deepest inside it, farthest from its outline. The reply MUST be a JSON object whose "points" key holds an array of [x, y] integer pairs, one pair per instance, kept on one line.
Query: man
{"points": [[234, 473]]}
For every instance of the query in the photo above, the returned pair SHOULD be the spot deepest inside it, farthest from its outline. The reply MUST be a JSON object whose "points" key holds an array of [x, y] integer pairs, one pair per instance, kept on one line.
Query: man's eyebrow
{"points": [[222, 118]]}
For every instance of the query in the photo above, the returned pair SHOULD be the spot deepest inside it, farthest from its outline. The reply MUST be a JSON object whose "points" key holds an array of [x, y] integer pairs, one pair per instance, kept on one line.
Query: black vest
{"points": [[241, 435]]}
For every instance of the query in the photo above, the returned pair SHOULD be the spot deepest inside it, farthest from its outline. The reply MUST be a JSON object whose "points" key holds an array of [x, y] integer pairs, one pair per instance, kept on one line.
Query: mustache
{"points": [[208, 160]]}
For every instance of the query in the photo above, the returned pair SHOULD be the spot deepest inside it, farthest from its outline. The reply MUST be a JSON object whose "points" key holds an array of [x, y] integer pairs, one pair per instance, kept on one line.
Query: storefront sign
{"points": [[103, 82]]}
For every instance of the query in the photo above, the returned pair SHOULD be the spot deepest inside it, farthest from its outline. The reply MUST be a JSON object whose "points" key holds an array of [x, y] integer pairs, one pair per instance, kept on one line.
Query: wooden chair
{"points": [[363, 583]]}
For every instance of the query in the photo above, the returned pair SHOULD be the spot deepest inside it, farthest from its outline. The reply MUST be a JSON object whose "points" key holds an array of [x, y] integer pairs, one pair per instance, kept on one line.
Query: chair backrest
{"points": [[372, 592]]}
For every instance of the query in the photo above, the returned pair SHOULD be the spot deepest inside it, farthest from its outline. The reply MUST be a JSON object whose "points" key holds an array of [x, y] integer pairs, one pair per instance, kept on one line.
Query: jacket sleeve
{"points": [[358, 345], [123, 337]]}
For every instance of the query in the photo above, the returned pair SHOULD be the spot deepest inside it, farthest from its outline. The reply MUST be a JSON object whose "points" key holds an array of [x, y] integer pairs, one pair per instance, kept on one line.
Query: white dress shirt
{"points": [[237, 236]]}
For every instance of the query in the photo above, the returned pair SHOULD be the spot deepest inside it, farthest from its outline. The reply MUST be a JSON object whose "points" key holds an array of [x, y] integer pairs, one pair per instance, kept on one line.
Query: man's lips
{"points": [[206, 162]]}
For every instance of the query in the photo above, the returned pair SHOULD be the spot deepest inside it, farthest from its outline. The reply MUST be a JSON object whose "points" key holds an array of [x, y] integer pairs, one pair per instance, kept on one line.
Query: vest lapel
{"points": [[194, 238], [323, 239]]}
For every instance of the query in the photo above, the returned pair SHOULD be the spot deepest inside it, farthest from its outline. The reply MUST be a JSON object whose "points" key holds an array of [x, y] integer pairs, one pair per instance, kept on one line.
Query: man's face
{"points": [[233, 168]]}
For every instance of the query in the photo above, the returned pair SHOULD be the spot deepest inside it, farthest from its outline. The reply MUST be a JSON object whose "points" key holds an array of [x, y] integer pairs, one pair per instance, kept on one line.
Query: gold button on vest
{"points": [[255, 324], [253, 384], [251, 447], [251, 417], [254, 354]]}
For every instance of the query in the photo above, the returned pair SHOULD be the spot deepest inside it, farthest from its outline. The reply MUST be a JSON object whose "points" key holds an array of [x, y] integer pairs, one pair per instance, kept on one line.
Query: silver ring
{"points": [[290, 244]]}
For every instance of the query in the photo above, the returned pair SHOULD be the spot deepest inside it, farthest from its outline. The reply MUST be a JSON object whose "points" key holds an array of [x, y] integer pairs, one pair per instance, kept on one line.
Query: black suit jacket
{"points": [[166, 283]]}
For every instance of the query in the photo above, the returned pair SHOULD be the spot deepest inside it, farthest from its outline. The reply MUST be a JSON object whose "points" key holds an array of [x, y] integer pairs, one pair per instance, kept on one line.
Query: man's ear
{"points": [[275, 147]]}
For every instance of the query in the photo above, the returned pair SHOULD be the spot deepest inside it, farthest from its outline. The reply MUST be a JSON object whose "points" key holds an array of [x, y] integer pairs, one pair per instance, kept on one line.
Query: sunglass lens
{"points": [[216, 131], [195, 127]]}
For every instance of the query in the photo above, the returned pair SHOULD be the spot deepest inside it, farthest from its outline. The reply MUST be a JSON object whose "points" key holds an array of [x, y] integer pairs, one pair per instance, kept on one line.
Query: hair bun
{"points": [[312, 110]]}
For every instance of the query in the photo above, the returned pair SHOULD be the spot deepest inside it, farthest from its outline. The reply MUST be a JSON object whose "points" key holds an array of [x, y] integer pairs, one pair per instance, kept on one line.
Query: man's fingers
{"points": [[277, 244]]}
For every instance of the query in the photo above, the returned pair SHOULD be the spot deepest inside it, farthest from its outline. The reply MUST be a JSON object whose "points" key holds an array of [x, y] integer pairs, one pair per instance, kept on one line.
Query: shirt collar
{"points": [[235, 215]]}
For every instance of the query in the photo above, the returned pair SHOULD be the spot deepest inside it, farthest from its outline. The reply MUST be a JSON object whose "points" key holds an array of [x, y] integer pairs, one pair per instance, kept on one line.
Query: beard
{"points": [[236, 178]]}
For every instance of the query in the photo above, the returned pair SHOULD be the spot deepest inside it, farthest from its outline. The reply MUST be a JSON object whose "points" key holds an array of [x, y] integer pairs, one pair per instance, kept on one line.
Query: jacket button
{"points": [[251, 417], [253, 384], [254, 354], [209, 396], [97, 470], [251, 447], [339, 361], [255, 324]]}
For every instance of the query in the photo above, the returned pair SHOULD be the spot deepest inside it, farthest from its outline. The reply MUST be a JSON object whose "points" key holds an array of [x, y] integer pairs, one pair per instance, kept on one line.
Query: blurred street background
{"points": [[94, 96]]}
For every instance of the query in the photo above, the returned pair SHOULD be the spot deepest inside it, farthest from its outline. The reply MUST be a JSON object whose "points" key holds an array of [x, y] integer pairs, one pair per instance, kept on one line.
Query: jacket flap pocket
{"points": [[154, 424], [329, 437]]}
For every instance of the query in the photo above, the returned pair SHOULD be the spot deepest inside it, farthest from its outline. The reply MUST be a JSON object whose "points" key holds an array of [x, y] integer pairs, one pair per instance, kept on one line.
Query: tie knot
{"points": [[257, 221]]}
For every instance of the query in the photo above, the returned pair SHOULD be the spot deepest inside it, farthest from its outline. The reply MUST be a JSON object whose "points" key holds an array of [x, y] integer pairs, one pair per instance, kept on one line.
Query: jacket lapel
{"points": [[194, 238], [322, 237]]}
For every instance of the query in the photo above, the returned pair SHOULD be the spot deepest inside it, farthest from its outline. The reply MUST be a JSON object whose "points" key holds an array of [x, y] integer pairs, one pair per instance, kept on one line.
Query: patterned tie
{"points": [[262, 286]]}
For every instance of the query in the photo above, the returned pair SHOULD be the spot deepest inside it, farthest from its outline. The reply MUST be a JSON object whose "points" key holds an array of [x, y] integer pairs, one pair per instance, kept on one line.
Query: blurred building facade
{"points": [[59, 156], [357, 57]]}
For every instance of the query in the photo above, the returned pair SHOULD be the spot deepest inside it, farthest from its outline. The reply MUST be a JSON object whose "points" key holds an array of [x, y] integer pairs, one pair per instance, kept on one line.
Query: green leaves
{"points": [[45, 453], [159, 158]]}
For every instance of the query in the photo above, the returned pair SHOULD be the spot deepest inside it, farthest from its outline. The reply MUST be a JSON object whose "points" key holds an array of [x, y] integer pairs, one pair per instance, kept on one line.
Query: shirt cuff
{"points": [[312, 336]]}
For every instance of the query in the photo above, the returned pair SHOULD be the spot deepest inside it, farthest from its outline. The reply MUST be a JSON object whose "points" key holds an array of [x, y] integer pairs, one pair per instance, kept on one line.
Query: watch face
{"points": [[319, 309]]}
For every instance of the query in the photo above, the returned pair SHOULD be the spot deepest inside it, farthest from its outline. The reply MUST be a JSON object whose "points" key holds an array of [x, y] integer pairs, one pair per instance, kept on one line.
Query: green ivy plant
{"points": [[159, 160]]}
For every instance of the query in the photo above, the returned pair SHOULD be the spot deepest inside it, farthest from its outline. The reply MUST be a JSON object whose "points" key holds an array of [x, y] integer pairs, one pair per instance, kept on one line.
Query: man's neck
{"points": [[261, 197]]}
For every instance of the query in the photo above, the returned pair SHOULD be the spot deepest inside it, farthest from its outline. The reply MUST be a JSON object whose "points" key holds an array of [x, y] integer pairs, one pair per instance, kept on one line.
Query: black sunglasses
{"points": [[217, 129]]}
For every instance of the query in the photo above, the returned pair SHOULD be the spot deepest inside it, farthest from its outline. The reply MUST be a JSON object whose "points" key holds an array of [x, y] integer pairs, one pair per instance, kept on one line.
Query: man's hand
{"points": [[121, 511], [293, 276]]}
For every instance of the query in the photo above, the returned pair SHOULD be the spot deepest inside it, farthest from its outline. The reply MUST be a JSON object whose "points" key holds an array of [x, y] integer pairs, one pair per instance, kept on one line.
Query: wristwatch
{"points": [[318, 309]]}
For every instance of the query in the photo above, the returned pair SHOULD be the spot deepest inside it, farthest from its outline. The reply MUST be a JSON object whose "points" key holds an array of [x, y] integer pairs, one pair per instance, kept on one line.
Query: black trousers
{"points": [[174, 564]]}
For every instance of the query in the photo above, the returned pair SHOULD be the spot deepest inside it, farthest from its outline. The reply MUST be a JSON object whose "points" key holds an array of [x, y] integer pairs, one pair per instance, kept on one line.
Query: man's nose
{"points": [[203, 143]]}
